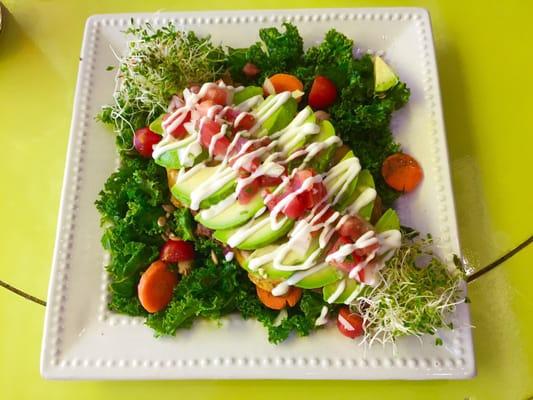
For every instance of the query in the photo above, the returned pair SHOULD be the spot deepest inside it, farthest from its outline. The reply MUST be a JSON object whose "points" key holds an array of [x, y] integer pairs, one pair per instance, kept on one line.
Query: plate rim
{"points": [[50, 364]]}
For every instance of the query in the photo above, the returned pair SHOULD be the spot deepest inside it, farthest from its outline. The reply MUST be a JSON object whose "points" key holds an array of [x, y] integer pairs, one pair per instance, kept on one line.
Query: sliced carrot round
{"points": [[286, 82], [156, 286], [402, 172], [293, 296], [279, 302]]}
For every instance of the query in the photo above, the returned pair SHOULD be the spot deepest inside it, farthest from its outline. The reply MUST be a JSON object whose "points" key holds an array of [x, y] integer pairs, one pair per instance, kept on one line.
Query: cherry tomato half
{"points": [[349, 324], [174, 251], [323, 93], [144, 140]]}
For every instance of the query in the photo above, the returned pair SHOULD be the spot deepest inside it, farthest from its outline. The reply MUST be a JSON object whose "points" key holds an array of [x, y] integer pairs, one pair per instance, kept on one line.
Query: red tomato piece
{"points": [[307, 199], [367, 250], [361, 275], [268, 181], [294, 209], [300, 177], [318, 191], [210, 129], [217, 95], [250, 70], [353, 228], [180, 131], [174, 251], [324, 217], [245, 123], [323, 93], [231, 114], [349, 324], [349, 261], [248, 192], [144, 140]]}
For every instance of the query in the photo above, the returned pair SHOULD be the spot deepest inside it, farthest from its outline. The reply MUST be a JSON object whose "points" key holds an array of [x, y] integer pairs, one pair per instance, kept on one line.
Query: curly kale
{"points": [[216, 287]]}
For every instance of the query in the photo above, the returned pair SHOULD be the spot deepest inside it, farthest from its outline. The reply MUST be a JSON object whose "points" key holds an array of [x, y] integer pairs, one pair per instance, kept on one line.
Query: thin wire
{"points": [[469, 279], [500, 260], [21, 293]]}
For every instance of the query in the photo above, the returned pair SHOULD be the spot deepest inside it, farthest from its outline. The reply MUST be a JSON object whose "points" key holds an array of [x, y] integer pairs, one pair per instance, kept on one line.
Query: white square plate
{"points": [[82, 340]]}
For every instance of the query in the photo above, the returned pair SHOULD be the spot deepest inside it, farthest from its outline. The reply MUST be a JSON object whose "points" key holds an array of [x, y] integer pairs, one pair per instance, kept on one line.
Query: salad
{"points": [[261, 181]]}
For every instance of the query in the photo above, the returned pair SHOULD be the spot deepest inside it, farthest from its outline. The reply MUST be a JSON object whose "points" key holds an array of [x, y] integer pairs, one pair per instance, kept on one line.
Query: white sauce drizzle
{"points": [[366, 197], [216, 181], [229, 256], [269, 107], [322, 318], [283, 287], [337, 293], [365, 240], [345, 323], [219, 207], [340, 176], [354, 294]]}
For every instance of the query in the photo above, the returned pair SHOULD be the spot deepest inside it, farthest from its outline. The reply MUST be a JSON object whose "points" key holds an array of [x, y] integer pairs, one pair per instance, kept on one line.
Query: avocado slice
{"points": [[351, 285], [292, 258], [246, 93], [321, 161], [235, 215], [388, 221], [364, 181], [384, 76], [156, 125], [279, 119], [322, 277], [182, 190], [287, 136], [260, 238], [330, 184], [171, 159], [268, 268]]}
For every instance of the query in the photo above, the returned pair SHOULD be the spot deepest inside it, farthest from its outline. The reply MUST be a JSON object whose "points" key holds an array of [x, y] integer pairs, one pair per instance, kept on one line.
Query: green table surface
{"points": [[486, 74]]}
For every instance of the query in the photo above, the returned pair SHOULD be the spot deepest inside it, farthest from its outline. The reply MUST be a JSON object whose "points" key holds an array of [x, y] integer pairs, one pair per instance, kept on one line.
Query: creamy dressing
{"points": [[229, 256], [354, 294], [283, 287], [219, 207], [215, 182], [345, 324], [365, 240], [340, 176], [249, 103], [216, 137], [337, 293], [269, 107], [366, 197], [247, 230], [322, 318]]}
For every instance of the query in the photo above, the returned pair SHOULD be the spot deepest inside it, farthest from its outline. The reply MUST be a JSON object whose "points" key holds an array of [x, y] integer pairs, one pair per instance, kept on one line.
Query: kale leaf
{"points": [[214, 289], [276, 52], [130, 205]]}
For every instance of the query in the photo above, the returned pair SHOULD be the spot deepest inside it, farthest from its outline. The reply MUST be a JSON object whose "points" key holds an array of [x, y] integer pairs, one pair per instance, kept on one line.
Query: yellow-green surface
{"points": [[486, 63]]}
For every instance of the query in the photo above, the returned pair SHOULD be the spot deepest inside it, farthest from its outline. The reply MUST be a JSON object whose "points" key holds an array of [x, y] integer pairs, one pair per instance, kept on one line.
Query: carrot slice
{"points": [[402, 172], [294, 296], [286, 82], [279, 302], [156, 286]]}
